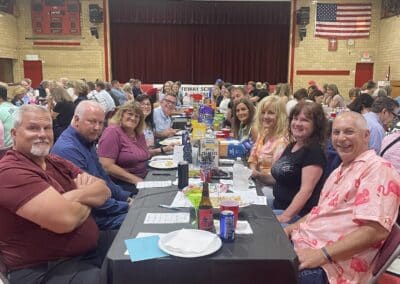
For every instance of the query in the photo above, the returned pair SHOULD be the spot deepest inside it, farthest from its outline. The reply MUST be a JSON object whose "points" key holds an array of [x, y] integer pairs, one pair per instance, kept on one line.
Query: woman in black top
{"points": [[62, 110], [299, 172]]}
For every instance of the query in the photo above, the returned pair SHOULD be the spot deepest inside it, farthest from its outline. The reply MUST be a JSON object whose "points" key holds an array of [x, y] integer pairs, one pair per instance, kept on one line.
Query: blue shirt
{"points": [[161, 120], [376, 131], [120, 95], [75, 148]]}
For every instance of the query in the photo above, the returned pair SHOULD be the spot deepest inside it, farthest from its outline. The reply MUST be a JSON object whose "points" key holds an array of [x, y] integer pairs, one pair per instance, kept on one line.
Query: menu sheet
{"points": [[167, 218]]}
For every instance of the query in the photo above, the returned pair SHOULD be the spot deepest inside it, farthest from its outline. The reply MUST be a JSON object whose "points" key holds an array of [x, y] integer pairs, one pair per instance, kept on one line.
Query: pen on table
{"points": [[169, 207]]}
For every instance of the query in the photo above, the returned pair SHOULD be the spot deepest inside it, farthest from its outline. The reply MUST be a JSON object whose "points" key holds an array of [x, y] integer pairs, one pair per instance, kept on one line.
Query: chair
{"points": [[3, 151], [387, 254]]}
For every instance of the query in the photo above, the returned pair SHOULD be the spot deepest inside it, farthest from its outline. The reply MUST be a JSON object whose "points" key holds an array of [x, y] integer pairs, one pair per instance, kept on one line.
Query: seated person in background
{"points": [[361, 104], [122, 147], [299, 96], [298, 175], [340, 238], [19, 94], [316, 96], [7, 111], [162, 116], [147, 108], [390, 149], [61, 108], [354, 93], [243, 117], [333, 98], [1, 135], [237, 93], [47, 233], [383, 111], [101, 96], [77, 144]]}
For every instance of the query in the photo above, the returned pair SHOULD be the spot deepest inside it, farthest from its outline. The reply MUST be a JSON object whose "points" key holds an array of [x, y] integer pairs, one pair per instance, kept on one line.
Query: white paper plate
{"points": [[213, 247], [163, 164], [176, 140]]}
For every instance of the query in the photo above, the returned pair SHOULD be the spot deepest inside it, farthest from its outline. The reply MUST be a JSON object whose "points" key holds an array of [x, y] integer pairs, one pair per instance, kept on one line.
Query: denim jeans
{"points": [[313, 276], [278, 212]]}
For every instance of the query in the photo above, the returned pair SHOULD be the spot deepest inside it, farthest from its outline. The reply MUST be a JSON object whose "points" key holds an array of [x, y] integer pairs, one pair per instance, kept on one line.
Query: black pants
{"points": [[82, 269]]}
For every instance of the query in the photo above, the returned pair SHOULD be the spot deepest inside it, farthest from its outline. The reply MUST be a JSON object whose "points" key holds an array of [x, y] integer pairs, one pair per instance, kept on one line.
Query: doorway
{"points": [[6, 70], [364, 72], [33, 70]]}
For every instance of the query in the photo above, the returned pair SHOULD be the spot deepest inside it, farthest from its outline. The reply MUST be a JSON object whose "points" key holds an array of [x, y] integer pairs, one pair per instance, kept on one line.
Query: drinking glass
{"points": [[194, 196]]}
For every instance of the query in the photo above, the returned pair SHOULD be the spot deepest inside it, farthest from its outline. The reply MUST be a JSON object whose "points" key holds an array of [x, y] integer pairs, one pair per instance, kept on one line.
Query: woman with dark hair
{"points": [[298, 175], [243, 116], [146, 106], [361, 104], [316, 96]]}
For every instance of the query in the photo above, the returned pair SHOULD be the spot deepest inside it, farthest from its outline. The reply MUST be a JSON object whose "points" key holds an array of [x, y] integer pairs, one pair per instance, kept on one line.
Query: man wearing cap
{"points": [[7, 110], [162, 117], [383, 111]]}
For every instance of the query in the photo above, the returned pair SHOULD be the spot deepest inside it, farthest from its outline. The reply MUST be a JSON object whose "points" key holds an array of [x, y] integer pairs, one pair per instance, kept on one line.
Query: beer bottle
{"points": [[205, 217]]}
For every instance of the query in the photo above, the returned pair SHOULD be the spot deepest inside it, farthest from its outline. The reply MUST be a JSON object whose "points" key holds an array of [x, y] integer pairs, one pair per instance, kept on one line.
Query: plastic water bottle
{"points": [[239, 181]]}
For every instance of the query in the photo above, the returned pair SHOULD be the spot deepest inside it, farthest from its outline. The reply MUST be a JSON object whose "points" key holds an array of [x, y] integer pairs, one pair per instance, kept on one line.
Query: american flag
{"points": [[343, 21]]}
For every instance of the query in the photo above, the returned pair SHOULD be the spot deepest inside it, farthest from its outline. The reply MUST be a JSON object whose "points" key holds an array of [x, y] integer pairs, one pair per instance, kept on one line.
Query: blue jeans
{"points": [[278, 212], [313, 276]]}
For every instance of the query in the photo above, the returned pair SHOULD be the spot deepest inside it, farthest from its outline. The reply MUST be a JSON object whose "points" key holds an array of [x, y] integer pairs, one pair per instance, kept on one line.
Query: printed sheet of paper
{"points": [[167, 218], [151, 184]]}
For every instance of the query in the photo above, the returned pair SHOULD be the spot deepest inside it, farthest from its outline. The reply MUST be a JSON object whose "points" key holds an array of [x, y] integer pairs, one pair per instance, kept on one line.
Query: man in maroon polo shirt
{"points": [[47, 234]]}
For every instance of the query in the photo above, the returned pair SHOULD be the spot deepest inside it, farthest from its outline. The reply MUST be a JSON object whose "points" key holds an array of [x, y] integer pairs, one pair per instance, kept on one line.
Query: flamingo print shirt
{"points": [[367, 190]]}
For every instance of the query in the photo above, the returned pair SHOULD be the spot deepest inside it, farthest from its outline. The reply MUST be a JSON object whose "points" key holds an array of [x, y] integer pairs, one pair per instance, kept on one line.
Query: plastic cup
{"points": [[231, 205]]}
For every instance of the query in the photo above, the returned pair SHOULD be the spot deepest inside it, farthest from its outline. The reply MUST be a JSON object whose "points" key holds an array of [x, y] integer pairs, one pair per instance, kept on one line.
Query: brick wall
{"points": [[87, 59], [312, 53], [73, 62], [388, 48]]}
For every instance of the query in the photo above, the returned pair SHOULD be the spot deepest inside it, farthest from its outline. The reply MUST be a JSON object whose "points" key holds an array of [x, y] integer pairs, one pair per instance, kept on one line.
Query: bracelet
{"points": [[326, 254], [162, 150]]}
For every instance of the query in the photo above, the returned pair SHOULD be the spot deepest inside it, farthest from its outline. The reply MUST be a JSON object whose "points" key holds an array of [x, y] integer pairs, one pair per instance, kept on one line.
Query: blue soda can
{"points": [[227, 226]]}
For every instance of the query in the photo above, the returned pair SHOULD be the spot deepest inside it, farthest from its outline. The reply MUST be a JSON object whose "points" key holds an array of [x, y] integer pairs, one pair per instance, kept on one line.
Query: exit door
{"points": [[364, 72], [33, 70]]}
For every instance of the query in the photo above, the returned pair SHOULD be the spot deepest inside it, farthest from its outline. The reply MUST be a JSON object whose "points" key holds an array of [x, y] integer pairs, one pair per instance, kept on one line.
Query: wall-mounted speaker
{"points": [[95, 13], [303, 16]]}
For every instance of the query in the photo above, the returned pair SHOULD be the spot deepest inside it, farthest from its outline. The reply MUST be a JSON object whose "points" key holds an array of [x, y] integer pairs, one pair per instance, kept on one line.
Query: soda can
{"points": [[227, 226], [183, 174]]}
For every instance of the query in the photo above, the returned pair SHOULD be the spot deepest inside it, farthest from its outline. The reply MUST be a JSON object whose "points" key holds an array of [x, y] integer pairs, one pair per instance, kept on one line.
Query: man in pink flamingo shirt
{"points": [[338, 240]]}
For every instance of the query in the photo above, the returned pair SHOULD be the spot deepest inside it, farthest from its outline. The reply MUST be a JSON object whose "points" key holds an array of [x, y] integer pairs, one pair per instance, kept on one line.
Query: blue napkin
{"points": [[144, 248]]}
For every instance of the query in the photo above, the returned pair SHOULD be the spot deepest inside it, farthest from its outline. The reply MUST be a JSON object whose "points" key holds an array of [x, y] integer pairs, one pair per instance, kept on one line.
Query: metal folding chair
{"points": [[387, 254]]}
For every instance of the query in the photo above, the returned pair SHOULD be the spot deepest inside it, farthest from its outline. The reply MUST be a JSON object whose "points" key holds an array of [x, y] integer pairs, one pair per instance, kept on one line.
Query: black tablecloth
{"points": [[266, 256]]}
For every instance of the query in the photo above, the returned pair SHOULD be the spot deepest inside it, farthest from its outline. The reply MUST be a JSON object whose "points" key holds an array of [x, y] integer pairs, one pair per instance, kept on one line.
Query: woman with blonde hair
{"points": [[271, 124], [284, 91], [122, 150]]}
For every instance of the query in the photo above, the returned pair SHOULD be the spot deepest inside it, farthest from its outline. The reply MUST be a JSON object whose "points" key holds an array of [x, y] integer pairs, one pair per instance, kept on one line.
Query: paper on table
{"points": [[151, 184], [144, 234], [242, 227], [144, 248], [190, 241], [167, 218], [230, 182], [180, 200]]}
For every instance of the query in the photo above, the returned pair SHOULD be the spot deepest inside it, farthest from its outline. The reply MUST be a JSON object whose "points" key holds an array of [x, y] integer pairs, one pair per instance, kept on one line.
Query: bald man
{"points": [[339, 239]]}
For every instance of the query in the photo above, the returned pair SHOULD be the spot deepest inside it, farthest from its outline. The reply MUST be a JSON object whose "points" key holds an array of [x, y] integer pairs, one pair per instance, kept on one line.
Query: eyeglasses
{"points": [[169, 102], [394, 114], [145, 104]]}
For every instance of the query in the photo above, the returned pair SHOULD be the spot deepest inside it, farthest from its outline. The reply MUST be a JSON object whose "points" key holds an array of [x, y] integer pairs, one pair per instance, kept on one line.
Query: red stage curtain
{"points": [[197, 42]]}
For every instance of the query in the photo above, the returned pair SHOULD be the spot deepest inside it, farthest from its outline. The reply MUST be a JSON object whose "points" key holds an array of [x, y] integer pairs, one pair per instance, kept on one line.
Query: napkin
{"points": [[190, 241]]}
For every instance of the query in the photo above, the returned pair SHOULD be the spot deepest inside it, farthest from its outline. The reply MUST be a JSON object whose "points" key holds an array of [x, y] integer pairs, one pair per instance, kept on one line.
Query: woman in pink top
{"points": [[271, 124], [122, 147]]}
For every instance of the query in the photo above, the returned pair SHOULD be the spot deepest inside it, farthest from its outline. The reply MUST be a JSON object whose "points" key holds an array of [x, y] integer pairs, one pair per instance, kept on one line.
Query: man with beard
{"points": [[47, 234]]}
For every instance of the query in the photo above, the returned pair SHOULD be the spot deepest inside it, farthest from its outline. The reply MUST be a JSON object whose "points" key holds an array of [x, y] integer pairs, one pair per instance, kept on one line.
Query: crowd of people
{"points": [[78, 149]]}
